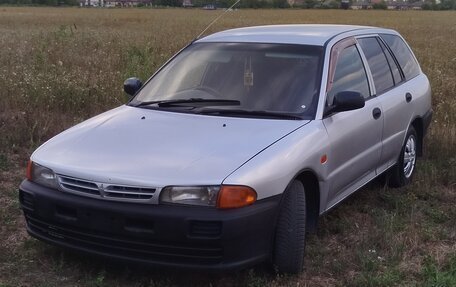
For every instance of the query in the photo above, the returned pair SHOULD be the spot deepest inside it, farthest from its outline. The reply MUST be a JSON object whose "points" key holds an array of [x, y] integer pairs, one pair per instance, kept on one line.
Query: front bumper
{"points": [[163, 235]]}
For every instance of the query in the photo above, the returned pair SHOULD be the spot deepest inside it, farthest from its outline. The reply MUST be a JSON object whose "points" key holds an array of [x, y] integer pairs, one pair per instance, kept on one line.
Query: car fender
{"points": [[270, 171]]}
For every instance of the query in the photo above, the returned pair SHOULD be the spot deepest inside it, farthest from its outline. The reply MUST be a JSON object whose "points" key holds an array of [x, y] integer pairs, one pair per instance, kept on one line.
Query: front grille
{"points": [[106, 191], [118, 191], [146, 249], [79, 185]]}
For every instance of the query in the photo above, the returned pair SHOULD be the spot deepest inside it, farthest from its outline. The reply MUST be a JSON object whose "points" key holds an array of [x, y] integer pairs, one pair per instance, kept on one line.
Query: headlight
{"points": [[192, 195], [41, 175], [223, 197]]}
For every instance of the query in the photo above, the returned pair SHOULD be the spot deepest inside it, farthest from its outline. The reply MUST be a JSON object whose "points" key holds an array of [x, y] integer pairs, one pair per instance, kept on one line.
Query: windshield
{"points": [[251, 77]]}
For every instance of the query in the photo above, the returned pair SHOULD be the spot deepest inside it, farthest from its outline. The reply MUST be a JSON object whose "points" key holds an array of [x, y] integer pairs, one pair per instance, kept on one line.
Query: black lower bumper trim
{"points": [[173, 236], [134, 249]]}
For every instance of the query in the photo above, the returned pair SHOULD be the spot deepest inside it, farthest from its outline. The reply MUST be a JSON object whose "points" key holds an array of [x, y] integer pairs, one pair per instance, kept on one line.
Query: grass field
{"points": [[60, 66]]}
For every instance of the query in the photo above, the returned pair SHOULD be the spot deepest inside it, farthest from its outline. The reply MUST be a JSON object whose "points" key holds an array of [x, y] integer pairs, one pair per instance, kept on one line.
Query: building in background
{"points": [[114, 3], [390, 5], [187, 3]]}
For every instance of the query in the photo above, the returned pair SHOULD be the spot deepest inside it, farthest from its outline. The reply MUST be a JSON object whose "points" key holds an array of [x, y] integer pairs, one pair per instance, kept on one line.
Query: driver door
{"points": [[355, 136]]}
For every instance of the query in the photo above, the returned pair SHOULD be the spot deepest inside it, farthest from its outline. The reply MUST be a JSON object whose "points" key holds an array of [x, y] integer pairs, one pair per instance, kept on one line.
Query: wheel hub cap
{"points": [[409, 156]]}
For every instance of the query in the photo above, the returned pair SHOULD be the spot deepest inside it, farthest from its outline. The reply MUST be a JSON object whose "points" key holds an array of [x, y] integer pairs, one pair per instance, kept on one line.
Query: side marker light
{"points": [[323, 159]]}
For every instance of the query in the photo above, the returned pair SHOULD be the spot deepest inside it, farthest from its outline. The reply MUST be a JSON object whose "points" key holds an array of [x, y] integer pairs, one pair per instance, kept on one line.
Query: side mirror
{"points": [[132, 85], [346, 101]]}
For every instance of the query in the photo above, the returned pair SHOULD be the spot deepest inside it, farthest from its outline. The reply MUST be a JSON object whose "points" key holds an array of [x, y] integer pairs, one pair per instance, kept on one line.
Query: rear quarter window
{"points": [[392, 63], [403, 55]]}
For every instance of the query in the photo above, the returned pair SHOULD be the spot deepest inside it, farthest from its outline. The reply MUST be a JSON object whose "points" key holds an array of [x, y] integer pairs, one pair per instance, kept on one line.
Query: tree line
{"points": [[332, 4], [40, 2]]}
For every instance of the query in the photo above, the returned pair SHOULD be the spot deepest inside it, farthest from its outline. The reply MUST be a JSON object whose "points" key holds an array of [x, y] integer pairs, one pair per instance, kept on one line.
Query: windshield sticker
{"points": [[248, 74]]}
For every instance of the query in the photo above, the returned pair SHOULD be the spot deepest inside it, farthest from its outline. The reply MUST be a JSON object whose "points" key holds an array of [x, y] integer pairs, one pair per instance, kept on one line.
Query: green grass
{"points": [[61, 66], [3, 162], [439, 276]]}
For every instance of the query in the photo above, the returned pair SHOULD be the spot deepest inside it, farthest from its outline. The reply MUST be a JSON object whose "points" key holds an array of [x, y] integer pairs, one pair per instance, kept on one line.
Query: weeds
{"points": [[436, 276], [3, 162], [61, 66]]}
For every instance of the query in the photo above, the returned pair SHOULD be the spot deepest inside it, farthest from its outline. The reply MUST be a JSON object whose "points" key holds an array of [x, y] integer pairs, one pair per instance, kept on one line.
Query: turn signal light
{"points": [[29, 170], [234, 196]]}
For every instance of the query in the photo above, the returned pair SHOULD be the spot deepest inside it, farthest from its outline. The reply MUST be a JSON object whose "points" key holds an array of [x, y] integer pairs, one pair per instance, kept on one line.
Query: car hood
{"points": [[135, 146]]}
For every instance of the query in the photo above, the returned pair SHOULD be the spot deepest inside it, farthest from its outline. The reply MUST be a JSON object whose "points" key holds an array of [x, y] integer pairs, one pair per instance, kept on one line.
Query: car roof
{"points": [[290, 34]]}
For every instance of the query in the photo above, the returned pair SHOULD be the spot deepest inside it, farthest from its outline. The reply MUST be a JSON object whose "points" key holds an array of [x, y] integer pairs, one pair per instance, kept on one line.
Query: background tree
{"points": [[280, 4]]}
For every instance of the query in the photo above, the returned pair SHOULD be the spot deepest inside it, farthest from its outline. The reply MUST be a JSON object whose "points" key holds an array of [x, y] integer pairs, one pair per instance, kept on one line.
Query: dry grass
{"points": [[60, 66]]}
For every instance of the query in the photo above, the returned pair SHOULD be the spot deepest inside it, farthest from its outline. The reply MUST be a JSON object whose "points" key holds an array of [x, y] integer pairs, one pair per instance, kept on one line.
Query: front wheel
{"points": [[291, 230], [402, 172]]}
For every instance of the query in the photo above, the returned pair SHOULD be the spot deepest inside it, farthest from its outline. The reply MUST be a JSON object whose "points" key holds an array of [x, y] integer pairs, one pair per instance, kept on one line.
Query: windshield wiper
{"points": [[262, 114], [192, 102]]}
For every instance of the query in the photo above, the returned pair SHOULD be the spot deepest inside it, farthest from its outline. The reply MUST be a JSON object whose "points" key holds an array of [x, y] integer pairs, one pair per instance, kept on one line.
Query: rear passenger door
{"points": [[393, 92]]}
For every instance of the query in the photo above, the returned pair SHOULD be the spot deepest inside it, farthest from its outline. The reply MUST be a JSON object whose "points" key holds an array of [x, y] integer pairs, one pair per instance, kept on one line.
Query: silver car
{"points": [[231, 151]]}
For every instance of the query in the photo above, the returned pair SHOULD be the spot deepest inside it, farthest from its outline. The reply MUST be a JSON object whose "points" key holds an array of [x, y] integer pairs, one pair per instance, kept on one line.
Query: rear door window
{"points": [[403, 55], [383, 78]]}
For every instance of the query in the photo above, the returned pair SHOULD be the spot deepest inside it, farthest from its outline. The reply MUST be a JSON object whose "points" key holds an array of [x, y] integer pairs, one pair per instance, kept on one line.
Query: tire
{"points": [[290, 234], [402, 173]]}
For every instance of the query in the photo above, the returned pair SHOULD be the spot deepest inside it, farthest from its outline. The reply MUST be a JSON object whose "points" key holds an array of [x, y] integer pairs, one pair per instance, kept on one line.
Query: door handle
{"points": [[376, 113], [408, 97]]}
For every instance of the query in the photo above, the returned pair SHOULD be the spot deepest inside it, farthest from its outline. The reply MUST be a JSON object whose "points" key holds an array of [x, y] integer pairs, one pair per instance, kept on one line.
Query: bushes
{"points": [[443, 5], [382, 5]]}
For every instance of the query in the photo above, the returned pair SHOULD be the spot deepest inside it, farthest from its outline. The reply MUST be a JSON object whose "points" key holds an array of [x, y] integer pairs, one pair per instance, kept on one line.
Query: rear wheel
{"points": [[291, 230], [402, 173]]}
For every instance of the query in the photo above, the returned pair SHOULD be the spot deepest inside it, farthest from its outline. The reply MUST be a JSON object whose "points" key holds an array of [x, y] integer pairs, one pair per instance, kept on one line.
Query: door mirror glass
{"points": [[346, 101], [132, 85]]}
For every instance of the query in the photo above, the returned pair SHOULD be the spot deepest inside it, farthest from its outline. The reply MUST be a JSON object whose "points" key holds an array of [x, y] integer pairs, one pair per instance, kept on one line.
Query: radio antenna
{"points": [[216, 19]]}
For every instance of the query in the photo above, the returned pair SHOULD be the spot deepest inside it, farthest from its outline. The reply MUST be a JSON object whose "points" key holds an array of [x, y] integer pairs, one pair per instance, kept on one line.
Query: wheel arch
{"points": [[418, 125], [309, 180]]}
